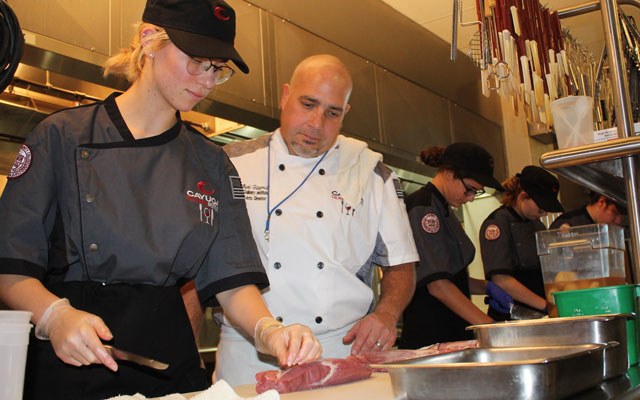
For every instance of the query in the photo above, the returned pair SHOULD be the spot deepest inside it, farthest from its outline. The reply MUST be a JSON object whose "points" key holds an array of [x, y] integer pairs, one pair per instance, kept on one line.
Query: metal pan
{"points": [[542, 372], [563, 331]]}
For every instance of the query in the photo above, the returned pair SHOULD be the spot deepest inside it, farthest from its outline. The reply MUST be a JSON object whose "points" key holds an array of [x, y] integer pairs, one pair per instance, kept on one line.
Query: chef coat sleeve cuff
{"points": [[207, 295], [499, 271], [16, 266], [435, 277]]}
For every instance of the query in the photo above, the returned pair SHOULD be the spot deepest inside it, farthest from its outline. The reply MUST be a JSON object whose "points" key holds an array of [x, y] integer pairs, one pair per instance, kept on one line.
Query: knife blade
{"points": [[136, 358], [519, 312]]}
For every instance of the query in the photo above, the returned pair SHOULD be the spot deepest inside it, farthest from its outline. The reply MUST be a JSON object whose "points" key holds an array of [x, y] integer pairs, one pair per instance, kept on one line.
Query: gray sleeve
{"points": [[495, 246], [431, 242], [28, 208], [233, 259]]}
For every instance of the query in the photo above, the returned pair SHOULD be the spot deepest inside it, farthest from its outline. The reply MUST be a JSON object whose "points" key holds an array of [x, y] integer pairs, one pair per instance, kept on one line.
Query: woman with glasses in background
{"points": [[441, 307], [508, 241], [111, 207]]}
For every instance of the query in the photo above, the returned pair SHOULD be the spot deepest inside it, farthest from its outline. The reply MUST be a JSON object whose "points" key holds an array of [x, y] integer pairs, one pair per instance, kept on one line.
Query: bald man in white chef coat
{"points": [[324, 211]]}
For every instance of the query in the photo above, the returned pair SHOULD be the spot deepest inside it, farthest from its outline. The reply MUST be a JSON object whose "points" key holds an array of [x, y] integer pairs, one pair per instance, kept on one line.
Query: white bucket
{"points": [[14, 339], [573, 121], [15, 316]]}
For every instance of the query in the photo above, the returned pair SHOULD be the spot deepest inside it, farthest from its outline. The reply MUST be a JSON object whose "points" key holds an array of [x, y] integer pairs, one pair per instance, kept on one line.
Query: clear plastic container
{"points": [[573, 121], [581, 257]]}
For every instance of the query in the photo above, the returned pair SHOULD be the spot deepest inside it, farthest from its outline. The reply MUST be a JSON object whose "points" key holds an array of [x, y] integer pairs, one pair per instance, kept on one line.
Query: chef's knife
{"points": [[136, 358], [519, 312]]}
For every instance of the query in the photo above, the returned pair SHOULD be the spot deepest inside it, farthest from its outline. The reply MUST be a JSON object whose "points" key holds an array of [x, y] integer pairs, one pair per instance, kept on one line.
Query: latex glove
{"points": [[374, 332], [292, 344], [75, 335], [499, 300]]}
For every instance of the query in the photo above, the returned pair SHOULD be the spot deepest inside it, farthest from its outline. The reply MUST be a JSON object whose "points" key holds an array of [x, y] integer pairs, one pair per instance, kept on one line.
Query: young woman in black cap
{"points": [[111, 207], [508, 242], [441, 308]]}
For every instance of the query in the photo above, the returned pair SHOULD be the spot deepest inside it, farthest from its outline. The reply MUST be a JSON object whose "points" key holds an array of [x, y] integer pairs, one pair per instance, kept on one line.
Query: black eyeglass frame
{"points": [[216, 68], [470, 190]]}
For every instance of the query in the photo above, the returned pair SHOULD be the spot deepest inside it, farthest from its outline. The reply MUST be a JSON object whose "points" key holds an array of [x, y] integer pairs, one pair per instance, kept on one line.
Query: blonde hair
{"points": [[512, 189], [129, 62]]}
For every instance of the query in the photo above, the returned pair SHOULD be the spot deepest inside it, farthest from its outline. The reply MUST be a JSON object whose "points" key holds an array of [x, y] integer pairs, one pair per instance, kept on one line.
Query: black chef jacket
{"points": [[508, 246], [573, 218], [109, 221], [445, 251]]}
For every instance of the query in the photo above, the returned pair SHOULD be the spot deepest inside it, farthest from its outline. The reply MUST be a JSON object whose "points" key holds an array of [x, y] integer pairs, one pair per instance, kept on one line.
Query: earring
{"points": [[150, 55]]}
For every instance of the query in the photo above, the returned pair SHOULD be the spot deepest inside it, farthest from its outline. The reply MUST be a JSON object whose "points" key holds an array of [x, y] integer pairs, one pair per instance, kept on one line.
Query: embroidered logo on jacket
{"points": [[431, 223], [492, 232], [236, 187], [207, 204], [22, 162], [347, 209]]}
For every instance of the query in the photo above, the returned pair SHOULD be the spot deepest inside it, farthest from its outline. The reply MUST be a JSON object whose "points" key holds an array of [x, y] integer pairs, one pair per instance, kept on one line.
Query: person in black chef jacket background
{"points": [[441, 308], [508, 242], [111, 207], [600, 210]]}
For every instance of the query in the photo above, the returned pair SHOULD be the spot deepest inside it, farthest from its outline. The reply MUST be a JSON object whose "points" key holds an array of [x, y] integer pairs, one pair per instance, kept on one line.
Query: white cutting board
{"points": [[377, 387]]}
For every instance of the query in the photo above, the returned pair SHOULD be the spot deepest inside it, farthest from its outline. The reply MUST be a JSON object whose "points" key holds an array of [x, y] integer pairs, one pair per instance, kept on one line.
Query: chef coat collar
{"points": [[431, 187], [515, 214], [586, 213], [280, 147], [116, 118]]}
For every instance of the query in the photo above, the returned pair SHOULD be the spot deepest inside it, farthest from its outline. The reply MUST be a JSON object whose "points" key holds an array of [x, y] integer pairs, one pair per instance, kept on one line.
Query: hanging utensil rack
{"points": [[610, 167]]}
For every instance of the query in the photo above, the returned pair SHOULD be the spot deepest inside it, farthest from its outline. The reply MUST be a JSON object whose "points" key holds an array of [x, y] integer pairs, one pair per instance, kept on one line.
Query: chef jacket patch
{"points": [[431, 223], [207, 204], [237, 192], [22, 162], [492, 232], [398, 186]]}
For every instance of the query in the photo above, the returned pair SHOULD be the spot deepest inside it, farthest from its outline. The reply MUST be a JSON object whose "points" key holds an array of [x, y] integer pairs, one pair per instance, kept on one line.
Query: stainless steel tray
{"points": [[563, 331], [541, 372]]}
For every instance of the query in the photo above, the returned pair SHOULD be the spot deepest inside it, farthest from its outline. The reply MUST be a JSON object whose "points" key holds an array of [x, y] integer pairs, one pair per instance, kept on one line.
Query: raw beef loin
{"points": [[390, 356], [321, 373]]}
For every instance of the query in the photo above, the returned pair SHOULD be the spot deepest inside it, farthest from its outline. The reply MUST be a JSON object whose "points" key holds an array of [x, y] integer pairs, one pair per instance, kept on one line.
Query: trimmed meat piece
{"points": [[390, 356], [321, 373]]}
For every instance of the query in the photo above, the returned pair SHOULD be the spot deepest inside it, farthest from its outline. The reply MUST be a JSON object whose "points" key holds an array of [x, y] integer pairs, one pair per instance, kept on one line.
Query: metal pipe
{"points": [[588, 7], [624, 119], [591, 153]]}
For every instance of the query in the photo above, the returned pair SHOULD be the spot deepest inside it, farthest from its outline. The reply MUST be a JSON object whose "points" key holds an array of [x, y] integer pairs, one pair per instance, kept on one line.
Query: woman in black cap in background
{"points": [[441, 308], [508, 242], [111, 207]]}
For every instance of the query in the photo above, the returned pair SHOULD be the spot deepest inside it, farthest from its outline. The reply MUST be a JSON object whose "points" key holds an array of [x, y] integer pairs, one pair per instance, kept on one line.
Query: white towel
{"points": [[355, 163], [218, 391], [222, 391]]}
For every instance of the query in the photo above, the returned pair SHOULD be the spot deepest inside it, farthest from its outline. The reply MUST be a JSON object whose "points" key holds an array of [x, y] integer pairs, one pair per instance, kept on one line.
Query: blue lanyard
{"points": [[270, 211]]}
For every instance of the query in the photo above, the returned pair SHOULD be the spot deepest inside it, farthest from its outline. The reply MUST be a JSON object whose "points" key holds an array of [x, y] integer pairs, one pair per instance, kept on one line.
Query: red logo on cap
{"points": [[221, 13], [491, 162]]}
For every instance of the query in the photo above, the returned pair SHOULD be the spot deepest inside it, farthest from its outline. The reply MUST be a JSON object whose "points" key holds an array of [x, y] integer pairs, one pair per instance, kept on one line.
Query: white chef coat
{"points": [[321, 251]]}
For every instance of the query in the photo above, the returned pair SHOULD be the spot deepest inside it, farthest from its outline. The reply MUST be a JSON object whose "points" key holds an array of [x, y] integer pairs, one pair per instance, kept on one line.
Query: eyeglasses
{"points": [[470, 191], [198, 66]]}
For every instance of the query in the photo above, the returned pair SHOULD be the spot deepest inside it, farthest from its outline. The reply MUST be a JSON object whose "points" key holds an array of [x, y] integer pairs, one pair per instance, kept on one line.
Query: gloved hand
{"points": [[75, 335], [292, 344], [499, 300]]}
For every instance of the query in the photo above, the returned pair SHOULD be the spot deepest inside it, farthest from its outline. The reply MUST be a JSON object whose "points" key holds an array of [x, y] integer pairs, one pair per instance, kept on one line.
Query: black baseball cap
{"points": [[200, 28], [542, 187], [472, 161]]}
